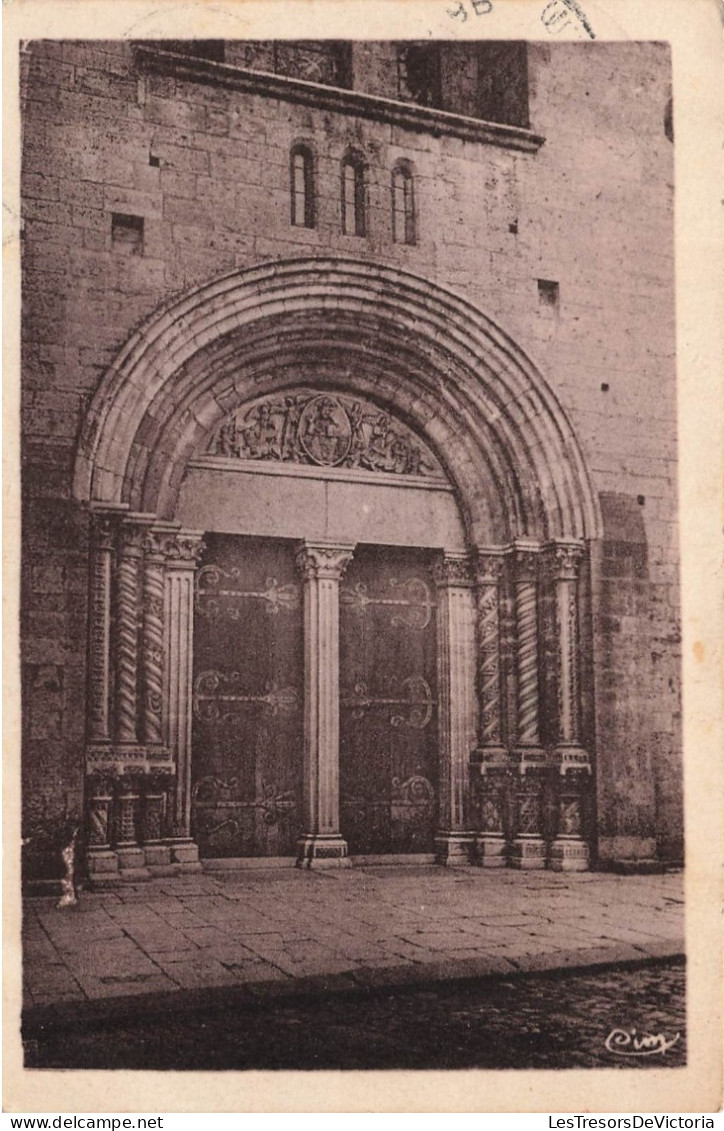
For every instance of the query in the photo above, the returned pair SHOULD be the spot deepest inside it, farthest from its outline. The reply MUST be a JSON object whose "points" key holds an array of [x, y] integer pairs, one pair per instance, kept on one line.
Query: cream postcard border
{"points": [[693, 27]]}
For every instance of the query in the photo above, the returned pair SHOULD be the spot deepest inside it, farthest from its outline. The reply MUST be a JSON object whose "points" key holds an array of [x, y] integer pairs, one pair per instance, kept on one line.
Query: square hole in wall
{"points": [[127, 233], [548, 295]]}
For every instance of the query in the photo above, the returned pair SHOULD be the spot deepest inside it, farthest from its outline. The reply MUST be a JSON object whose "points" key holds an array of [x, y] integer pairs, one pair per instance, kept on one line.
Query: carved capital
{"points": [[323, 561], [526, 557], [154, 545], [453, 571], [489, 566], [183, 550], [132, 540], [566, 560], [103, 532]]}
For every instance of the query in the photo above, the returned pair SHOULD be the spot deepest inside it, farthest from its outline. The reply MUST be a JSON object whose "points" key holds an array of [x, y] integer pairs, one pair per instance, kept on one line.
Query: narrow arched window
{"points": [[403, 205], [353, 196], [302, 187]]}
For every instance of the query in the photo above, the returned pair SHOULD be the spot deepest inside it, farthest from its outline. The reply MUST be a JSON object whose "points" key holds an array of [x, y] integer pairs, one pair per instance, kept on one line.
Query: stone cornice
{"points": [[407, 115]]}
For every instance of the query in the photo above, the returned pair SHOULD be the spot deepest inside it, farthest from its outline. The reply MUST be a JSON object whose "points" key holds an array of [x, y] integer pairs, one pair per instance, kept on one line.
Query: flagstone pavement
{"points": [[274, 932]]}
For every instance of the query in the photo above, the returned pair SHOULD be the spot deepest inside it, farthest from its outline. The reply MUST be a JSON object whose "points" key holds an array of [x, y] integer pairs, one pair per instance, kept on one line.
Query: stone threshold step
{"points": [[362, 980]]}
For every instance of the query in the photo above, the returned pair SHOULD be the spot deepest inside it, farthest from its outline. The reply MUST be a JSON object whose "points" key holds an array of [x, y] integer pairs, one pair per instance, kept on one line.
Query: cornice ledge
{"points": [[408, 115]]}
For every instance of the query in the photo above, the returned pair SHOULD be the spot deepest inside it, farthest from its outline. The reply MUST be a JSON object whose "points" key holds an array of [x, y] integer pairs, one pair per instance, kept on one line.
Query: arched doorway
{"points": [[299, 403]]}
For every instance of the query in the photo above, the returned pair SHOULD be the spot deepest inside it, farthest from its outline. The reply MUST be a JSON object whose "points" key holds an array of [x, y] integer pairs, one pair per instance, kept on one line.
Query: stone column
{"points": [[102, 859], [569, 850], [182, 552], [157, 853], [153, 638], [492, 764], [457, 706], [99, 651], [528, 848], [128, 754], [322, 566], [126, 636]]}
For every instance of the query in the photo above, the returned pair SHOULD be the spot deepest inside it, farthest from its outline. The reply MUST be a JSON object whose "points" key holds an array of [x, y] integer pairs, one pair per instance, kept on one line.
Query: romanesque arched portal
{"points": [[335, 404]]}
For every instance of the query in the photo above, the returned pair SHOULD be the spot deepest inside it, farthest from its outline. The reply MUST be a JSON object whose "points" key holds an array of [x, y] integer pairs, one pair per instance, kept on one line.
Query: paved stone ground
{"points": [[559, 1020], [281, 932]]}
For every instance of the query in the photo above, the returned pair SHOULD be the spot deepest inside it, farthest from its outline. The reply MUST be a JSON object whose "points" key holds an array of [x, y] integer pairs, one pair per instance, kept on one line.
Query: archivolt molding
{"points": [[417, 350]]}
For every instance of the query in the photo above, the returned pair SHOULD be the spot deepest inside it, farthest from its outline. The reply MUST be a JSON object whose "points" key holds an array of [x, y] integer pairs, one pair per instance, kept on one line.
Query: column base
{"points": [[569, 855], [184, 856], [158, 859], [103, 868], [323, 850], [132, 865], [491, 852], [453, 849], [528, 853]]}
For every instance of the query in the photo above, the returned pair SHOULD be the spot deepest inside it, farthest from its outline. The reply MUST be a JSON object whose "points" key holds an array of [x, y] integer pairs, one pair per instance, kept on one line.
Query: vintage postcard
{"points": [[363, 461]]}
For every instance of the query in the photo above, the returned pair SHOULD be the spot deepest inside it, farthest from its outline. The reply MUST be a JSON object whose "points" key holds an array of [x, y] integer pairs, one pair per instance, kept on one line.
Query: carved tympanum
{"points": [[325, 430]]}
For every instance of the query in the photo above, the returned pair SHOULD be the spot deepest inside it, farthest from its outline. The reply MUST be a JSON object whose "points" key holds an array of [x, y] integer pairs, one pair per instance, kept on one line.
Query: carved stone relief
{"points": [[325, 430]]}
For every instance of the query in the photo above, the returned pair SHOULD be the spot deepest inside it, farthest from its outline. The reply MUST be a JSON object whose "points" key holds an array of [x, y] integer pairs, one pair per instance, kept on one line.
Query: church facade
{"points": [[349, 456]]}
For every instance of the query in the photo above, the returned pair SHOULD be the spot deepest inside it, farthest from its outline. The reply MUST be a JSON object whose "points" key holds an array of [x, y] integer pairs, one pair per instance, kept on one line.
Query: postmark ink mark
{"points": [[561, 14], [479, 8]]}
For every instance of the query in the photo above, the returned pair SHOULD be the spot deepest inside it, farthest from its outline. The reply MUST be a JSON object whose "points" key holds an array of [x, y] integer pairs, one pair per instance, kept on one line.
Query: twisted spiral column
{"points": [[526, 618], [491, 770], [488, 576], [528, 847], [153, 638], [127, 591]]}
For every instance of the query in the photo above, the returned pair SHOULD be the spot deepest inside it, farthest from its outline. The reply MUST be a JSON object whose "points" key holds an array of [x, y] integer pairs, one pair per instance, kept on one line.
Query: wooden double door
{"points": [[248, 687]]}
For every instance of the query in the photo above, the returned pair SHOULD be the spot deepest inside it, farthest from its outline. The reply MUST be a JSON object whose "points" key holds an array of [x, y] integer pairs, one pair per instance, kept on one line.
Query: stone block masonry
{"points": [[204, 170]]}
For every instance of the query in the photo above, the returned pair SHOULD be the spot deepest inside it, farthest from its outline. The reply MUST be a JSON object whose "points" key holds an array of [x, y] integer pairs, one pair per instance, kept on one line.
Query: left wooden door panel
{"points": [[247, 699]]}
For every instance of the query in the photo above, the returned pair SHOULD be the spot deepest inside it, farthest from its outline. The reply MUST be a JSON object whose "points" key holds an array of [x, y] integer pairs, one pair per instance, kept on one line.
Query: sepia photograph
{"points": [[350, 606]]}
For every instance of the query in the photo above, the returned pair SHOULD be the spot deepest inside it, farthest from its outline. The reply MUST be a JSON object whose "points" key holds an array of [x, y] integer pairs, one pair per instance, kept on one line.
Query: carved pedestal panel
{"points": [[388, 702], [491, 787], [102, 859], [131, 857]]}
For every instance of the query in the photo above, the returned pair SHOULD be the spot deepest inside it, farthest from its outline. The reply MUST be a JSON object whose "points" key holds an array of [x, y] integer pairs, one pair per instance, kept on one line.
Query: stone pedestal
{"points": [[322, 565], [569, 851], [491, 796], [102, 859], [131, 857]]}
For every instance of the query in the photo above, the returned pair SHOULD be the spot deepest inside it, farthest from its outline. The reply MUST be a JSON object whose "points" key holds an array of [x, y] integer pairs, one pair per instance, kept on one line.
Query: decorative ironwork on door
{"points": [[247, 699], [388, 702]]}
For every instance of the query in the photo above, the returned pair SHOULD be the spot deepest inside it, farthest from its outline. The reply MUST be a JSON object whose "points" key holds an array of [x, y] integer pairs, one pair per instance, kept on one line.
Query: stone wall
{"points": [[569, 249]]}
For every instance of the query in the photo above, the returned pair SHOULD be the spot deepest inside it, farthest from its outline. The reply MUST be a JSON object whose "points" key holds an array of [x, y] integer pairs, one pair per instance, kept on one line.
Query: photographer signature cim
{"points": [[627, 1042]]}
